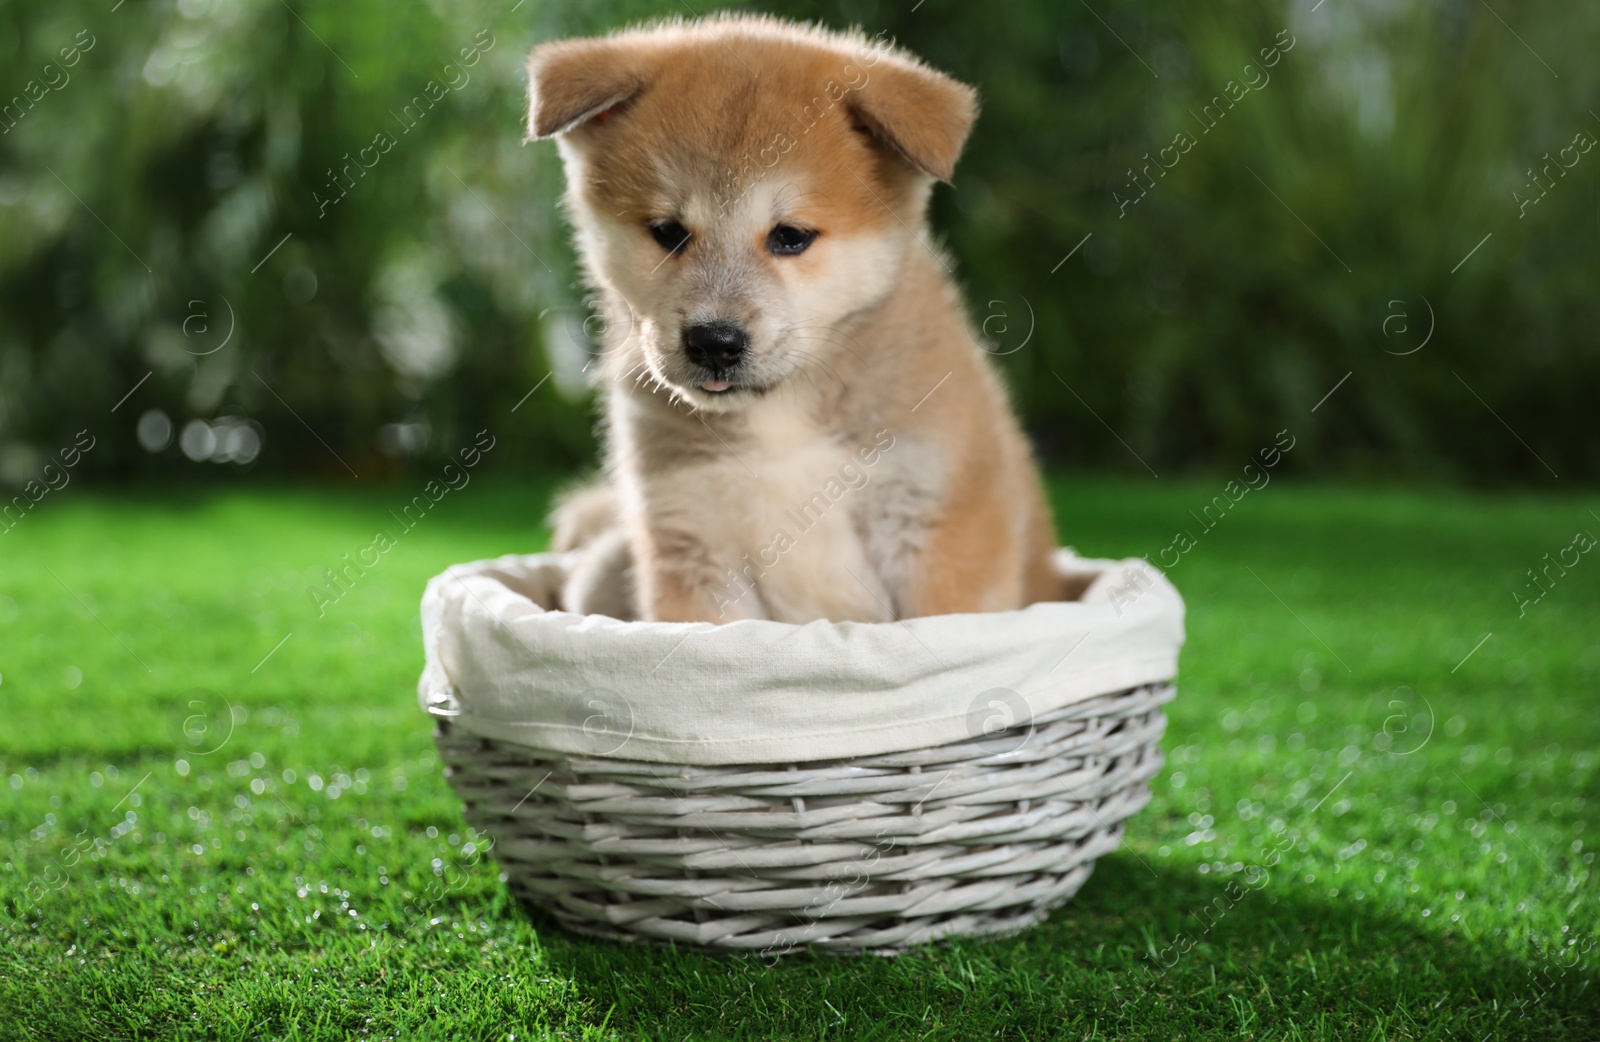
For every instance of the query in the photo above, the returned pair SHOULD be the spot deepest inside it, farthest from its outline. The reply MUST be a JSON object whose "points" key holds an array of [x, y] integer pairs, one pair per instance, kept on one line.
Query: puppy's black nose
{"points": [[715, 345]]}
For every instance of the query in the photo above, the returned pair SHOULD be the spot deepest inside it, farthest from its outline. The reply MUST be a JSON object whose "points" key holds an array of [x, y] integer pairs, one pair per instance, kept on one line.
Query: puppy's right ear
{"points": [[570, 82], [919, 113]]}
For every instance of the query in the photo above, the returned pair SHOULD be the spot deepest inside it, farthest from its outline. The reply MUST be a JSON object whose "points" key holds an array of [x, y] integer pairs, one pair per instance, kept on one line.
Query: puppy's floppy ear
{"points": [[572, 81], [919, 112]]}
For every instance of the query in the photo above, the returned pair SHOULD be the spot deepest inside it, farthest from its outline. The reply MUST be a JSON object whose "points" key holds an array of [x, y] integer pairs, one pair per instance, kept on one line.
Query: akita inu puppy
{"points": [[801, 423]]}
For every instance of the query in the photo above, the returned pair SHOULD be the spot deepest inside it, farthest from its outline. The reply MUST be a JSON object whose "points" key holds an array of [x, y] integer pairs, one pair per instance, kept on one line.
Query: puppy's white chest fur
{"points": [[783, 516]]}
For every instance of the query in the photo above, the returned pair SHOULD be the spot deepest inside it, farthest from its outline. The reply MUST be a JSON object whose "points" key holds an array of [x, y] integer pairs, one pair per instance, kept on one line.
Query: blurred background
{"points": [[232, 231]]}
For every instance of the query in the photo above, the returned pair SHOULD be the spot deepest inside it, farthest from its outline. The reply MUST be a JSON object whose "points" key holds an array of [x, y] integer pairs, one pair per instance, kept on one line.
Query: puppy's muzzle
{"points": [[717, 346]]}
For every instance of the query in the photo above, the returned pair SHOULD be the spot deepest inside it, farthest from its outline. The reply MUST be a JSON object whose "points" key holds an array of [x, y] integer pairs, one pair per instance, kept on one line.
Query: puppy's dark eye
{"points": [[786, 240], [670, 234]]}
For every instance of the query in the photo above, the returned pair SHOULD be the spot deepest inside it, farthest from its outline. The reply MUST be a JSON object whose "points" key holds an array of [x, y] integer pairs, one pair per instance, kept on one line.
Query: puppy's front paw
{"points": [[671, 596]]}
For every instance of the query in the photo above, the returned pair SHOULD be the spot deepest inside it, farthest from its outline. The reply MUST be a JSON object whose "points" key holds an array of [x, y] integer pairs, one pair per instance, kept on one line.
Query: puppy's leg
{"points": [[990, 545], [1041, 580], [977, 554], [680, 579], [587, 518], [601, 582], [964, 566]]}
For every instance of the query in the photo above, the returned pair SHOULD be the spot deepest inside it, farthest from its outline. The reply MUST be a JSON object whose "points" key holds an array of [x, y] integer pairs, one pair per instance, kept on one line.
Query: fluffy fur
{"points": [[860, 461]]}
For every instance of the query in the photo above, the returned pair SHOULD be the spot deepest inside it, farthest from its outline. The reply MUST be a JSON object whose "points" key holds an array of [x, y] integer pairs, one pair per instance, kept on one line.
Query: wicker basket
{"points": [[870, 853]]}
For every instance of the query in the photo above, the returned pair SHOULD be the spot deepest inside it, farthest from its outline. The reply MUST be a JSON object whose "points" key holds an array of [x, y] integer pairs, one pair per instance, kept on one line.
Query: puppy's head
{"points": [[744, 185]]}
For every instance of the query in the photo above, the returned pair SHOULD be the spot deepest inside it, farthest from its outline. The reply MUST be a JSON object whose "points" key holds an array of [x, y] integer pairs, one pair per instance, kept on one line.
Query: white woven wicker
{"points": [[765, 787], [873, 853]]}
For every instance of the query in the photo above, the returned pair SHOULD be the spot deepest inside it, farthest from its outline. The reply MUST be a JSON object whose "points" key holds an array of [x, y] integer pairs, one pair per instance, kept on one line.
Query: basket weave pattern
{"points": [[874, 853]]}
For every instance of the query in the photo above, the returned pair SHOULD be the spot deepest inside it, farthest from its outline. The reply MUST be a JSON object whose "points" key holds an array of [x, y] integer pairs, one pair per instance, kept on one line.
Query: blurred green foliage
{"points": [[339, 196]]}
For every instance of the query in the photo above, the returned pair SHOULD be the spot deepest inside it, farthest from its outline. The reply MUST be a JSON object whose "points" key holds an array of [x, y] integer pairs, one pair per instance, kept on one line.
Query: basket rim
{"points": [[503, 663]]}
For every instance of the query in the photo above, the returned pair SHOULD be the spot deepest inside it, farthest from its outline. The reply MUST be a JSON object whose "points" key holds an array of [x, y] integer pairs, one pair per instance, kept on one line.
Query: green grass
{"points": [[1434, 819]]}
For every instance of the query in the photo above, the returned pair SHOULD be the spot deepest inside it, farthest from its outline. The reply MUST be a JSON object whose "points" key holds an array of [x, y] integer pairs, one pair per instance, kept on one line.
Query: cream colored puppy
{"points": [[801, 424]]}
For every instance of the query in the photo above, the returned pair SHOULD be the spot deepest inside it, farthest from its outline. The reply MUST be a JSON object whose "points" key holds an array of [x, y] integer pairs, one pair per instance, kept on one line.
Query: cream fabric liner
{"points": [[768, 692]]}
